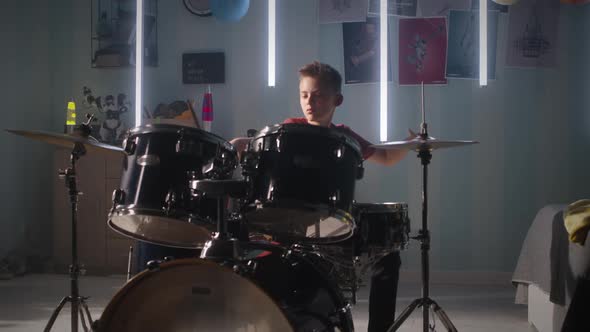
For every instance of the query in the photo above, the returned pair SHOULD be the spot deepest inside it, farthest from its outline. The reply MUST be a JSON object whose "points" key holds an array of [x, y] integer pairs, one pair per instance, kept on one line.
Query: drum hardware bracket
{"points": [[222, 244], [129, 146]]}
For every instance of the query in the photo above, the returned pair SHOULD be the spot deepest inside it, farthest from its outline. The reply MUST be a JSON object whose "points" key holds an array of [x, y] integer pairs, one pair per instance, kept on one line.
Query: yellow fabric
{"points": [[577, 220]]}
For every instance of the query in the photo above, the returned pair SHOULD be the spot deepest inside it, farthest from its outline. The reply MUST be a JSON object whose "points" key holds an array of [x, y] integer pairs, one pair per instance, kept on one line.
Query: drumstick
{"points": [[190, 106]]}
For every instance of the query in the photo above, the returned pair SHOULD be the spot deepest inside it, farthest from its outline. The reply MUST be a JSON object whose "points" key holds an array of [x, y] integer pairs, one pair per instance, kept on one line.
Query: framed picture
{"points": [[361, 52], [114, 33], [203, 68]]}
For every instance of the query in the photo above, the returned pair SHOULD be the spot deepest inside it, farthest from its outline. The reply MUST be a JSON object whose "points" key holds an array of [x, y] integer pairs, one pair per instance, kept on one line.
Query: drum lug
{"points": [[130, 145], [250, 162], [187, 146], [271, 193], [252, 266], [360, 171], [240, 269], [335, 198], [346, 309], [118, 198], [193, 175], [154, 265], [278, 143], [170, 201], [339, 151]]}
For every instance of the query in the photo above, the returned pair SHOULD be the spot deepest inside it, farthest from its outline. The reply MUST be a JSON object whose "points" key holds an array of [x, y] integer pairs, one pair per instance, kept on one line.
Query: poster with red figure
{"points": [[422, 50]]}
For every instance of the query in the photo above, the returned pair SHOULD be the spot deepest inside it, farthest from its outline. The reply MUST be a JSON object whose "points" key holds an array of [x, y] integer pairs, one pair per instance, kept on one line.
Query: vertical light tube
{"points": [[272, 9], [138, 61], [483, 42], [383, 69]]}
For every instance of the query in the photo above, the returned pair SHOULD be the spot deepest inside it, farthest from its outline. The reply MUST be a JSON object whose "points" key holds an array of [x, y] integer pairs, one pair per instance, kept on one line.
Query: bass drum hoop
{"points": [[115, 318]]}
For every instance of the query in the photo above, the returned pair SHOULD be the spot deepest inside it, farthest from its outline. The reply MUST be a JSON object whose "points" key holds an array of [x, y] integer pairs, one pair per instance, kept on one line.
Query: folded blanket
{"points": [[577, 220]]}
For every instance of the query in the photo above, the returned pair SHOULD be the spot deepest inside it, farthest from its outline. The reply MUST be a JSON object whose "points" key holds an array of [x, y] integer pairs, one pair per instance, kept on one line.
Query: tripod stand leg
{"points": [[86, 311], [56, 312], [83, 320], [404, 315], [443, 316]]}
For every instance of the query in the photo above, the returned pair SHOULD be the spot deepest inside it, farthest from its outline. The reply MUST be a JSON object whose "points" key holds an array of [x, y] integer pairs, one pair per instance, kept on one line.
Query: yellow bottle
{"points": [[70, 117]]}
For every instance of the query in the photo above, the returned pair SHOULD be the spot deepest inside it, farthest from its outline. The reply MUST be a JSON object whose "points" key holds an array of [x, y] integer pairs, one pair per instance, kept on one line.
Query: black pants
{"points": [[576, 319], [383, 292]]}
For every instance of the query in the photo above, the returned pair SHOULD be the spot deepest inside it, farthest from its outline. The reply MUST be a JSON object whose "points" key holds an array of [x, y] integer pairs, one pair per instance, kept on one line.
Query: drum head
{"points": [[153, 227], [302, 222], [192, 295]]}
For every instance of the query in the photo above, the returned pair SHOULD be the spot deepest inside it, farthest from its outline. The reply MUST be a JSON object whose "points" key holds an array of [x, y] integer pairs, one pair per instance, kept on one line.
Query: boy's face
{"points": [[317, 103]]}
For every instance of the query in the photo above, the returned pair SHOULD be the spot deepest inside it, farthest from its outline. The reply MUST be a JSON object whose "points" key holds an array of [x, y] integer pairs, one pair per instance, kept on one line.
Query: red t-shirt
{"points": [[366, 149]]}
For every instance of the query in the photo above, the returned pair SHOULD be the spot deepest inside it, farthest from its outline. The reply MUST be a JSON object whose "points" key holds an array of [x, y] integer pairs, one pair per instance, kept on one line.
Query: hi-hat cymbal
{"points": [[67, 141], [421, 143]]}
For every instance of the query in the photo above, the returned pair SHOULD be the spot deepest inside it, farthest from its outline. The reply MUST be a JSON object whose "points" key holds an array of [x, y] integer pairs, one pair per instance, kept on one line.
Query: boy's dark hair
{"points": [[326, 75]]}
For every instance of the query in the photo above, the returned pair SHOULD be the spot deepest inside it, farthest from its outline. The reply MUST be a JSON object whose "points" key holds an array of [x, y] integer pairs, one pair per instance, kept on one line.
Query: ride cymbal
{"points": [[67, 141], [420, 143]]}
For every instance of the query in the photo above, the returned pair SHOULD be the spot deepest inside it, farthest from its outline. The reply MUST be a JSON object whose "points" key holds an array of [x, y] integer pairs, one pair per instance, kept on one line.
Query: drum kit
{"points": [[305, 232]]}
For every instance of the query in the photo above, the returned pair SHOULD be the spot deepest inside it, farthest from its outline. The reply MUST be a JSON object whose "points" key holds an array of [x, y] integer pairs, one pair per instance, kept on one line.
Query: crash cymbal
{"points": [[68, 141], [421, 143]]}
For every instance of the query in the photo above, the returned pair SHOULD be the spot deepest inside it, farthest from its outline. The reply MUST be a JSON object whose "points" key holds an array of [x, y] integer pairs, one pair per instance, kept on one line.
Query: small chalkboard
{"points": [[203, 68]]}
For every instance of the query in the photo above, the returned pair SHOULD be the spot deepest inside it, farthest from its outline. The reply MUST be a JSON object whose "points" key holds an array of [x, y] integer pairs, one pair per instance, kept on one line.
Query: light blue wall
{"points": [[482, 198], [25, 91]]}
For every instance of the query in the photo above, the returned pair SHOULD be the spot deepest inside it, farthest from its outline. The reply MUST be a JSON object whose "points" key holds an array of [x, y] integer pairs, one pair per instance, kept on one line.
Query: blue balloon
{"points": [[229, 10]]}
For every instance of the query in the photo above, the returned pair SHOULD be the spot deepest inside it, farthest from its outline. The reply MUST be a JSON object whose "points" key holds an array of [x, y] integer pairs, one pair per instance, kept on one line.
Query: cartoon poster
{"points": [[442, 7], [463, 52], [362, 51], [532, 34], [338, 11], [394, 7], [422, 50]]}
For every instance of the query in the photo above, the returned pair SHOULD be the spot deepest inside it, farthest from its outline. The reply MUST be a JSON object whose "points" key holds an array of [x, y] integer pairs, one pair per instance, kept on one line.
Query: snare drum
{"points": [[154, 202], [302, 181], [282, 291], [381, 227]]}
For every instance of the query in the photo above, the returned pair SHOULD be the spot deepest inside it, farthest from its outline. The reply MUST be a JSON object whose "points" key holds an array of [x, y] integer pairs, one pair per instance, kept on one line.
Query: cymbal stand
{"points": [[425, 301], [78, 302]]}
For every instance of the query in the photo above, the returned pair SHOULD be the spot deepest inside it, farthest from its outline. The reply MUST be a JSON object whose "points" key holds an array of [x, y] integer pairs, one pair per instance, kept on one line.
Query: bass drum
{"points": [[272, 293]]}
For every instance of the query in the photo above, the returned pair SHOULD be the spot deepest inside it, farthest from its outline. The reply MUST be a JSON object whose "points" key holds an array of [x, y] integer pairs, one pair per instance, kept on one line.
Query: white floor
{"points": [[26, 303]]}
